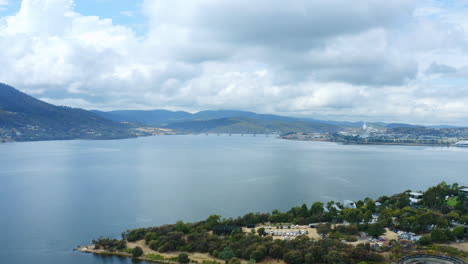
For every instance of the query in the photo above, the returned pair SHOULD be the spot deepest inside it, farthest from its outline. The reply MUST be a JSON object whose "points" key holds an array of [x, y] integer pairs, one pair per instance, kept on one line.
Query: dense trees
{"points": [[369, 216], [110, 244]]}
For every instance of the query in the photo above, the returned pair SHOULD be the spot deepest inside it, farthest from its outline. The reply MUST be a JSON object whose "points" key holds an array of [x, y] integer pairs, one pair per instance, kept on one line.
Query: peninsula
{"points": [[405, 227]]}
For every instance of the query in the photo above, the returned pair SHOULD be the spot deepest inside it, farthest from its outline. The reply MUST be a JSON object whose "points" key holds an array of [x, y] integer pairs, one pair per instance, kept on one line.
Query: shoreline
{"points": [[374, 143], [100, 252], [283, 138]]}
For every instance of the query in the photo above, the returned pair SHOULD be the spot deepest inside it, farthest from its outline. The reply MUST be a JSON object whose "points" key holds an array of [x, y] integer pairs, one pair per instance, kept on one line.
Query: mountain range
{"points": [[25, 118]]}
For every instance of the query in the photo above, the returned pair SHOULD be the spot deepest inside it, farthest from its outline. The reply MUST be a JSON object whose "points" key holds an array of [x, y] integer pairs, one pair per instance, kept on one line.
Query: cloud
{"points": [[390, 61], [3, 4], [437, 68]]}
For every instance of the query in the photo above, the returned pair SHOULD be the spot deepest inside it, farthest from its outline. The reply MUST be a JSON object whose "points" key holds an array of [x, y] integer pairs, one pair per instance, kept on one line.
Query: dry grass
{"points": [[461, 246], [200, 257]]}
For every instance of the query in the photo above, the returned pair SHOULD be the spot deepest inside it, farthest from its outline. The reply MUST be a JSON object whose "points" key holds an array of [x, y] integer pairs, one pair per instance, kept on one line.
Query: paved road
{"points": [[425, 259]]}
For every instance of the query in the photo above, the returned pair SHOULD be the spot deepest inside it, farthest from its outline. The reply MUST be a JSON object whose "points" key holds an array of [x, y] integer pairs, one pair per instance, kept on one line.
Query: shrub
{"points": [[137, 252], [351, 238], [183, 258], [425, 240], [153, 245], [459, 232], [234, 261], [439, 235]]}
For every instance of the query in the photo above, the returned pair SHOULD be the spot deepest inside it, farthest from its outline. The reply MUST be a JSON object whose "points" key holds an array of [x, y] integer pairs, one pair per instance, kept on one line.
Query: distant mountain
{"points": [[148, 117], [220, 121], [400, 125], [164, 117], [24, 118], [250, 126], [211, 120]]}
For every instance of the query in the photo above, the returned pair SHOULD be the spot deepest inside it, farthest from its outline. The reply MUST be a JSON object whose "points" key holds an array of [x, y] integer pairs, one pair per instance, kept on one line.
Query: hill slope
{"points": [[163, 117], [250, 126], [25, 118]]}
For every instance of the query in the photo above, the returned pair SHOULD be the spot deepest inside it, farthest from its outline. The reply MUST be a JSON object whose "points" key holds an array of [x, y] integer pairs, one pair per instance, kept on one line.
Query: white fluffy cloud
{"points": [[400, 60], [3, 4]]}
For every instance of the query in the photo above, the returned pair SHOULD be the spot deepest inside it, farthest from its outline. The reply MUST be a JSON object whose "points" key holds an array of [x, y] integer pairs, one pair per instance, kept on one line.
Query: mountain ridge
{"points": [[25, 118]]}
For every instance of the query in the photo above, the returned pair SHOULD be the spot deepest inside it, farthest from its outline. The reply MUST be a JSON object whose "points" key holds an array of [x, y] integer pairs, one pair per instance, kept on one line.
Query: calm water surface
{"points": [[57, 195]]}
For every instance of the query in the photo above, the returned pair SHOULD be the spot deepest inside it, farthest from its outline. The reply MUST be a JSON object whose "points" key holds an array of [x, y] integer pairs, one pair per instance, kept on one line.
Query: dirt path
{"points": [[200, 257]]}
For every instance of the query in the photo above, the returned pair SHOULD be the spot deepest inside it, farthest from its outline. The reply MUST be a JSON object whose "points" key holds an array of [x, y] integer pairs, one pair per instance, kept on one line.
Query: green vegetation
{"points": [[452, 201], [137, 252], [239, 125], [162, 258], [24, 118], [183, 258], [110, 244], [431, 218]]}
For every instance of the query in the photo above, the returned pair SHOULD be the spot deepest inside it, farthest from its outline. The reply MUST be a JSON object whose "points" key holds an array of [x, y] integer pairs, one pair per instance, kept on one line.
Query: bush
{"points": [[439, 235], [293, 257], [166, 247], [153, 245], [183, 258], [375, 230], [261, 231], [234, 261], [351, 238], [425, 240], [459, 232], [226, 254], [137, 252]]}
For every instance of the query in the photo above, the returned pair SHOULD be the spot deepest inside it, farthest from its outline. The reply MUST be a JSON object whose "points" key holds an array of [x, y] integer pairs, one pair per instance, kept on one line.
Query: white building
{"points": [[415, 197], [349, 204]]}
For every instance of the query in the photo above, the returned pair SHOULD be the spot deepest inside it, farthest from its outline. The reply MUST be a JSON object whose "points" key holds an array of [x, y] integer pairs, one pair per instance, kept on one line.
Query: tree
{"points": [[153, 245], [309, 258], [259, 253], [334, 257], [182, 227], [226, 254], [375, 230], [352, 215], [261, 231], [459, 232], [316, 211], [425, 240], [434, 197], [293, 257], [304, 212], [183, 258], [211, 221], [276, 252], [439, 235], [234, 260], [137, 252], [122, 244]]}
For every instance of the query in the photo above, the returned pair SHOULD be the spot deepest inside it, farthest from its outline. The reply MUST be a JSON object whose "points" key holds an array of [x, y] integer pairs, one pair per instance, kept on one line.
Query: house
{"points": [[464, 191], [349, 204], [415, 197], [336, 207]]}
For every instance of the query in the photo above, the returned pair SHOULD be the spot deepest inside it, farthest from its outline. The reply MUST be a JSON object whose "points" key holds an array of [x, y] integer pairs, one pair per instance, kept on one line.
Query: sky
{"points": [[370, 60]]}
